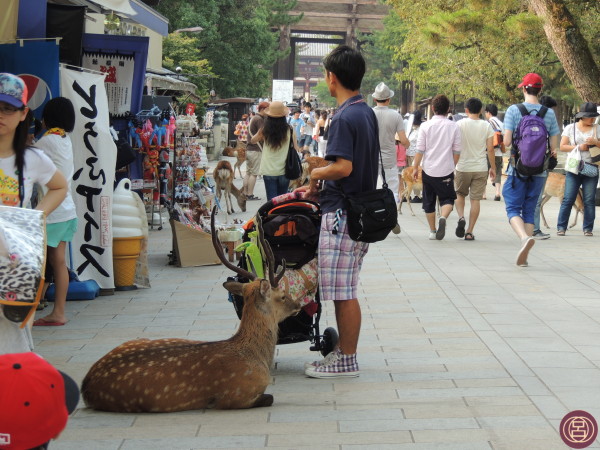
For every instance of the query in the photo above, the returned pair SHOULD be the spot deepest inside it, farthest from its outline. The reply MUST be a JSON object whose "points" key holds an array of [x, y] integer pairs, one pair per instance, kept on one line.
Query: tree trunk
{"points": [[570, 46]]}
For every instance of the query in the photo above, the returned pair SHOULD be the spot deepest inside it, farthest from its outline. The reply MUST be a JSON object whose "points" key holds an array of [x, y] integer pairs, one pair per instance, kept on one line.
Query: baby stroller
{"points": [[291, 227]]}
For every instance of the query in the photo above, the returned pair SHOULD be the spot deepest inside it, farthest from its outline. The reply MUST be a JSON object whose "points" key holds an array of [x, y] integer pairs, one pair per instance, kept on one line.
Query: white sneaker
{"points": [[432, 236], [328, 358], [526, 245]]}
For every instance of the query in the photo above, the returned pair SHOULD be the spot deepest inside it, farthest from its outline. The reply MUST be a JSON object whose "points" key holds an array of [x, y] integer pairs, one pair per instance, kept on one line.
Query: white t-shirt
{"points": [[413, 136], [38, 169], [60, 150], [307, 129], [389, 123], [474, 135], [580, 138], [497, 125]]}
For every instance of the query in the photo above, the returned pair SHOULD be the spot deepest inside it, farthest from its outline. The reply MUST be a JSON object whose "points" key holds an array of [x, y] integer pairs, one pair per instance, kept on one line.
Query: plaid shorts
{"points": [[340, 260]]}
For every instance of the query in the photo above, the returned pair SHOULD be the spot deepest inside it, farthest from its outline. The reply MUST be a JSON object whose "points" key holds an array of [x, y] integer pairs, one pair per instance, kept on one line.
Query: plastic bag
{"points": [[573, 163], [22, 261]]}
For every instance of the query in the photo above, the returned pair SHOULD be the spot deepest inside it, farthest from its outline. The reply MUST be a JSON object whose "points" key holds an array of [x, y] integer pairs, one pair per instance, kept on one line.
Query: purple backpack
{"points": [[530, 142]]}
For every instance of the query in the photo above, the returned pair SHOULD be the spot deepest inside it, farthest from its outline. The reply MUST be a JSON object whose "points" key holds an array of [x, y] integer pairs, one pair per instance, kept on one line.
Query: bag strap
{"points": [[21, 186], [385, 186]]}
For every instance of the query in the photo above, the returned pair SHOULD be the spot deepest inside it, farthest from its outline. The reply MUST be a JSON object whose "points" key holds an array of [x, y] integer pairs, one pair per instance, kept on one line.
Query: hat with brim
{"points": [[13, 90], [32, 391], [532, 80], [382, 92], [277, 109], [587, 110]]}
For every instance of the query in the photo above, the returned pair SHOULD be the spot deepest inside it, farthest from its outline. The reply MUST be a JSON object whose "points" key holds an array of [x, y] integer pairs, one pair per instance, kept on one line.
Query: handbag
{"points": [[371, 214], [293, 166], [589, 170]]}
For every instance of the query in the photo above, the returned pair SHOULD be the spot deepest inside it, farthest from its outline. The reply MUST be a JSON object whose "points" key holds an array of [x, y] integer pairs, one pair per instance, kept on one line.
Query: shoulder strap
{"points": [[524, 111], [21, 184], [542, 112]]}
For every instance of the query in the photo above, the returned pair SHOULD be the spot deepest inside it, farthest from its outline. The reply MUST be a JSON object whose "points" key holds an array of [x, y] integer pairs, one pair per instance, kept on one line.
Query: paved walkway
{"points": [[459, 349]]}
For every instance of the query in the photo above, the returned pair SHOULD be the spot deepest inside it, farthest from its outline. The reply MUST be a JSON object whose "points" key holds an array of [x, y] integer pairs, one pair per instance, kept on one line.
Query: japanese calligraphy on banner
{"points": [[118, 81], [94, 158]]}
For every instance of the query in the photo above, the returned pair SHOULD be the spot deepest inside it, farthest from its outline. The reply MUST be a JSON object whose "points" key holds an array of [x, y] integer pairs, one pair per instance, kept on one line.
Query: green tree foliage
{"points": [[383, 62], [182, 51], [237, 40], [321, 91], [482, 47]]}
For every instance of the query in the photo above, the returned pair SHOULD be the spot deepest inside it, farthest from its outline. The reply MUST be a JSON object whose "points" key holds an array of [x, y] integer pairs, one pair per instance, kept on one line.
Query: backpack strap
{"points": [[542, 111], [524, 111], [21, 185]]}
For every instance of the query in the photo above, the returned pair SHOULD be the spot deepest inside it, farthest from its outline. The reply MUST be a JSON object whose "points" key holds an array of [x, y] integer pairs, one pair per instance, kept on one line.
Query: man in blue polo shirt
{"points": [[353, 143], [521, 193]]}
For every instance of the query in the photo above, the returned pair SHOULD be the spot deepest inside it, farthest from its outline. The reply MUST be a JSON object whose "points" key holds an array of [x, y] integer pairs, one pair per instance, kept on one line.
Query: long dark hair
{"points": [[275, 131], [20, 141]]}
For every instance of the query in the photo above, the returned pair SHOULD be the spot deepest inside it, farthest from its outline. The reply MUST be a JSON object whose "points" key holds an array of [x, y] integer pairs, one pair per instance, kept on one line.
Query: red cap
{"points": [[34, 406], [532, 80]]}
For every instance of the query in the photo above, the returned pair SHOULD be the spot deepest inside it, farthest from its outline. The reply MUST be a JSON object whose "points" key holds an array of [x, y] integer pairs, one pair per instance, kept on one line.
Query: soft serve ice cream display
{"points": [[127, 235]]}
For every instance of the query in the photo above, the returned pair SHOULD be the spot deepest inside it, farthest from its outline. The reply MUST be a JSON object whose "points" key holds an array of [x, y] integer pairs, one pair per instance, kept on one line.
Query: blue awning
{"points": [[137, 11], [149, 18]]}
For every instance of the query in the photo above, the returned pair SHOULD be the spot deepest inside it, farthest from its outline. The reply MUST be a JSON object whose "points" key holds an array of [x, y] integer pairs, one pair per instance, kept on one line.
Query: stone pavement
{"points": [[459, 349]]}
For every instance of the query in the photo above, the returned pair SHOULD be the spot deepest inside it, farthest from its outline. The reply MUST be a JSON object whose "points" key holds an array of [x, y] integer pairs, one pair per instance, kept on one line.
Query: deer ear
{"points": [[234, 287], [265, 289]]}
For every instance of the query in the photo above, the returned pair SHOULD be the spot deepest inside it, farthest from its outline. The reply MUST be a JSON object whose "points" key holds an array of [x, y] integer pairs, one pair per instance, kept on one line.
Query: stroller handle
{"points": [[290, 197]]}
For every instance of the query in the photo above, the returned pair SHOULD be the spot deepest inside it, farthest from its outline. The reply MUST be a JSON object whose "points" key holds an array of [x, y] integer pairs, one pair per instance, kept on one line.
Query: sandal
{"points": [[460, 228], [588, 233], [252, 197], [560, 233], [469, 237]]}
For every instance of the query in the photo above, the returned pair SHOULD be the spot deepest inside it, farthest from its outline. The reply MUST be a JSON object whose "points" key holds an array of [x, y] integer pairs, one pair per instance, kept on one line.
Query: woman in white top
{"points": [[583, 134], [35, 167], [276, 135], [59, 119]]}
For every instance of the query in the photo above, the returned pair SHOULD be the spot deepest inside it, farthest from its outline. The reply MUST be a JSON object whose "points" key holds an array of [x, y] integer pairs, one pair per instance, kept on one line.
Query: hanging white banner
{"points": [[118, 81], [94, 157]]}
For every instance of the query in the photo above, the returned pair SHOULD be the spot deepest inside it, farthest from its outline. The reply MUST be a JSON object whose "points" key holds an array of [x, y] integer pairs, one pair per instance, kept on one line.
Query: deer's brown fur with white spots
{"points": [[223, 175], [166, 375], [310, 163]]}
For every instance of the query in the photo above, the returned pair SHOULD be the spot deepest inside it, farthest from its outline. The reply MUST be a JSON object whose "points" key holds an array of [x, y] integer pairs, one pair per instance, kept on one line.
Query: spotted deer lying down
{"points": [[166, 375]]}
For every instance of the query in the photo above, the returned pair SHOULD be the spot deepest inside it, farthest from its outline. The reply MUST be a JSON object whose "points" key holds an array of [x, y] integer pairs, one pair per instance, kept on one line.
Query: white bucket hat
{"points": [[382, 92]]}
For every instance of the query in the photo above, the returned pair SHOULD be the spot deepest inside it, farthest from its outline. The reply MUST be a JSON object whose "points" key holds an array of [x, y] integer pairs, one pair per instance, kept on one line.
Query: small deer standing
{"points": [[409, 183], [238, 152], [223, 175], [166, 375]]}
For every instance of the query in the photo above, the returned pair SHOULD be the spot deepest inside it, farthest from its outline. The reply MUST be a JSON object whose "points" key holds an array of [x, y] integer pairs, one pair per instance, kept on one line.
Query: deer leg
{"points": [[263, 400], [542, 203], [229, 202], [578, 209]]}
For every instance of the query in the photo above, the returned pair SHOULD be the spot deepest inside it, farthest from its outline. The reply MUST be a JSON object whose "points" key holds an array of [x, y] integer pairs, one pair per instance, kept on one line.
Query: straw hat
{"points": [[277, 109]]}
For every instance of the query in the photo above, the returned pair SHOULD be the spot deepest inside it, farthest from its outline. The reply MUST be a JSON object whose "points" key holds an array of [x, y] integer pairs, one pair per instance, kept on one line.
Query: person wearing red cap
{"points": [[36, 400], [254, 152], [20, 168], [521, 193]]}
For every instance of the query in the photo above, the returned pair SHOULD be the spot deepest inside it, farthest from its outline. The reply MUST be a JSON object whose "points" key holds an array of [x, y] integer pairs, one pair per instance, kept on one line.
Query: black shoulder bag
{"points": [[293, 166], [371, 214]]}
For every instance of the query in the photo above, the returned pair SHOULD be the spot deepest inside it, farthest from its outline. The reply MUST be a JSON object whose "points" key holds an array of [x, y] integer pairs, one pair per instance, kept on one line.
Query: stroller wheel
{"points": [[330, 340]]}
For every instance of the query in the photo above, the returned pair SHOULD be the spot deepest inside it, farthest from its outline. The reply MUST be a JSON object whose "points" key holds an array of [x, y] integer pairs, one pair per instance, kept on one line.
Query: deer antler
{"points": [[220, 253], [274, 280]]}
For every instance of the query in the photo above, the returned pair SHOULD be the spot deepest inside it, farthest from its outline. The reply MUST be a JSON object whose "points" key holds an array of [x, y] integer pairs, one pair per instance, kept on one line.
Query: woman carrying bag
{"points": [[276, 135], [580, 136]]}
